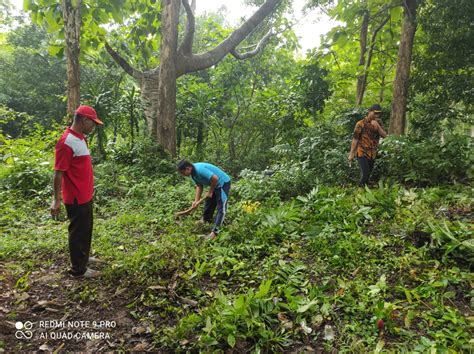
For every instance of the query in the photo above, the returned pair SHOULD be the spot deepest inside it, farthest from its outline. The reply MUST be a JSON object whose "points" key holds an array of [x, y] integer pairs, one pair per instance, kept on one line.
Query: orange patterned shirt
{"points": [[368, 137]]}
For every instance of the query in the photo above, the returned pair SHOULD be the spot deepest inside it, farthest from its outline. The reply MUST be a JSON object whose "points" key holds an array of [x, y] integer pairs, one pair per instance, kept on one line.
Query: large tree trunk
{"points": [[402, 75], [363, 48], [72, 34], [149, 94], [166, 122], [159, 85]]}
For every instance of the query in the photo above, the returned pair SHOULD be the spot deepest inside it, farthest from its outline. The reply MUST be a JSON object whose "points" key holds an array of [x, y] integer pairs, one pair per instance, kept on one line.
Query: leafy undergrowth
{"points": [[314, 273]]}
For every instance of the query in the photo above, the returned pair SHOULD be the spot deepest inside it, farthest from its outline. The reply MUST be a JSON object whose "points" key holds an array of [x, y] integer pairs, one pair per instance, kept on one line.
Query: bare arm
{"points": [[214, 181], [382, 132], [198, 193], [379, 128], [353, 148], [56, 205]]}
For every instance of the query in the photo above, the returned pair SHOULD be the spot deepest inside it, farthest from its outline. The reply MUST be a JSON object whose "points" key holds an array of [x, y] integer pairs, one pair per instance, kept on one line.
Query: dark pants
{"points": [[220, 201], [366, 165], [80, 235]]}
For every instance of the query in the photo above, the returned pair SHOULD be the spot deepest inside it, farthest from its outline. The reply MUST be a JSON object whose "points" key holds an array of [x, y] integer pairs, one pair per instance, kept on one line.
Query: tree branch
{"points": [[212, 57], [388, 7], [374, 36], [137, 74], [260, 45], [187, 45]]}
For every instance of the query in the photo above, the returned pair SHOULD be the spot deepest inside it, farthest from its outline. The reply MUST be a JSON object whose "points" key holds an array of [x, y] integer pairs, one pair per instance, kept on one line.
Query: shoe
{"points": [[93, 260], [212, 235], [91, 273]]}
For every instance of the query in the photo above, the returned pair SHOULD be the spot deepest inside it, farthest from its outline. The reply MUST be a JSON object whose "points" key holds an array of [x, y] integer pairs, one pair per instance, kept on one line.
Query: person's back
{"points": [[206, 174], [202, 169]]}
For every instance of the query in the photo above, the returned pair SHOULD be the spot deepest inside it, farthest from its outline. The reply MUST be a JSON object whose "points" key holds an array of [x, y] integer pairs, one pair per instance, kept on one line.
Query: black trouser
{"points": [[80, 235], [220, 201], [366, 165]]}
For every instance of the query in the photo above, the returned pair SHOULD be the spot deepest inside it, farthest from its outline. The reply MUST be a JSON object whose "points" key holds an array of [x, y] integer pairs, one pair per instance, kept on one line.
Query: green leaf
{"points": [[231, 340], [239, 302], [26, 5], [408, 295], [263, 289], [54, 50], [306, 307]]}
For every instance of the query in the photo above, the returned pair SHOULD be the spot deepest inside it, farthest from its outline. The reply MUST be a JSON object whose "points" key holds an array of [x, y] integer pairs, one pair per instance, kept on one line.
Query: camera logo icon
{"points": [[24, 330]]}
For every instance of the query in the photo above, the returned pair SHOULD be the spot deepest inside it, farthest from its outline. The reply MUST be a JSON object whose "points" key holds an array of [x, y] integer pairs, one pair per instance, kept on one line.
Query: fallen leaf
{"points": [[328, 333], [138, 330], [22, 296], [184, 342], [317, 321], [119, 291], [46, 348], [157, 287], [305, 328], [49, 309], [354, 273], [140, 347], [379, 346]]}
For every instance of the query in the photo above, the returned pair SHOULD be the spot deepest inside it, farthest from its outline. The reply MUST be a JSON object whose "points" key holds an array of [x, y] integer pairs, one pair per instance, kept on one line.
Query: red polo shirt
{"points": [[73, 157]]}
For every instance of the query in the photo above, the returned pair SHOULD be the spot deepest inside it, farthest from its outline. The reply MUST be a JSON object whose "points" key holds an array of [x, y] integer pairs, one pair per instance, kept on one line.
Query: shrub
{"points": [[28, 162], [427, 162], [147, 157]]}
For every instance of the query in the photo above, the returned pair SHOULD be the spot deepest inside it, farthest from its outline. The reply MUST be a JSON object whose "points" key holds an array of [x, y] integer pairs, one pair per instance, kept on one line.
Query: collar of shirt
{"points": [[73, 132]]}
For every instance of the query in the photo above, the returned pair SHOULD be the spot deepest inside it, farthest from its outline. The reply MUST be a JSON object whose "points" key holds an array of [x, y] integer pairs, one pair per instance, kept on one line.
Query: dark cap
{"points": [[375, 107]]}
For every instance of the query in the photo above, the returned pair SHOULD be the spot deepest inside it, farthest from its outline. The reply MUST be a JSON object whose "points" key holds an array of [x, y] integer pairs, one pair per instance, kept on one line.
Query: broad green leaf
{"points": [[263, 289], [306, 307], [231, 340]]}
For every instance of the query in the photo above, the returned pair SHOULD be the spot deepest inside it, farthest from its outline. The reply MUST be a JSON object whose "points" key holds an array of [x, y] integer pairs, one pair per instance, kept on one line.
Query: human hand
{"points": [[375, 124], [209, 194], [55, 208]]}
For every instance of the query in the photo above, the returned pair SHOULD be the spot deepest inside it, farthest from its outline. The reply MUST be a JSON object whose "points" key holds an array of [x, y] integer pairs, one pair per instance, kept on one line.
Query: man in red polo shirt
{"points": [[73, 176]]}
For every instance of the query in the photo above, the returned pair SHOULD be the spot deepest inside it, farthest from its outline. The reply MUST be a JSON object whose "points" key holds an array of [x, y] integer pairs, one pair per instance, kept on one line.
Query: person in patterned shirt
{"points": [[365, 141]]}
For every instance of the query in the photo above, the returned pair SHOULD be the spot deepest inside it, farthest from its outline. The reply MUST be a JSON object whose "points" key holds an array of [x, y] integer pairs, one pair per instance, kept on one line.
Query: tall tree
{"points": [[360, 49], [71, 11], [402, 74], [158, 85], [364, 28], [442, 77], [363, 61]]}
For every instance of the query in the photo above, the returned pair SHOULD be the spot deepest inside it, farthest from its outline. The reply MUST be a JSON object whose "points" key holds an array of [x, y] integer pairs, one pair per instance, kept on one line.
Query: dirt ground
{"points": [[59, 312]]}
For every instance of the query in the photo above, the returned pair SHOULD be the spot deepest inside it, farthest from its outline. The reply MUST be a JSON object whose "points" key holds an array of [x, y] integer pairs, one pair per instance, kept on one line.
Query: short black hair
{"points": [[183, 164], [78, 117]]}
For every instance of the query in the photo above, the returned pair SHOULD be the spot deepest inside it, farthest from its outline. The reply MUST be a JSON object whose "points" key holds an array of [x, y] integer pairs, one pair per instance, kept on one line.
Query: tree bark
{"points": [[149, 95], [166, 122], [72, 34], [363, 48], [187, 64], [402, 75], [159, 85], [362, 80]]}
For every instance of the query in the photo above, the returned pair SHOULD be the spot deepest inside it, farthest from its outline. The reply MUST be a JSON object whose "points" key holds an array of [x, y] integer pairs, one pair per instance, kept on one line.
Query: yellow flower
{"points": [[250, 207]]}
